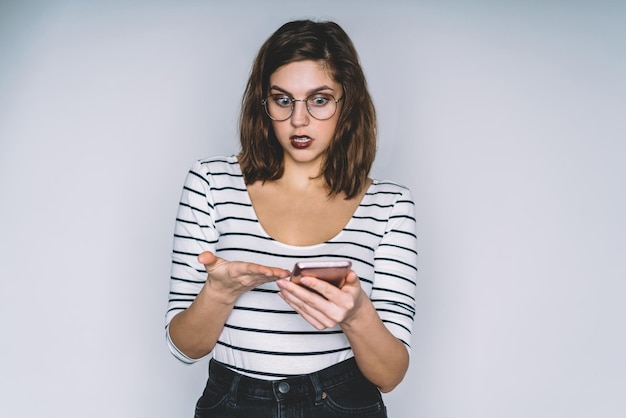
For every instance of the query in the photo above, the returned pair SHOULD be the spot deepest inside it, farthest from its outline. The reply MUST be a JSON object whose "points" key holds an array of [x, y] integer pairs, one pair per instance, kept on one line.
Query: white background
{"points": [[505, 118]]}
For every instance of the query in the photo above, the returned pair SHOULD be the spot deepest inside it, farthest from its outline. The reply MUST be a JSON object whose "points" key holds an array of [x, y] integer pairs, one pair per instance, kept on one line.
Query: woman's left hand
{"points": [[335, 306], [382, 358]]}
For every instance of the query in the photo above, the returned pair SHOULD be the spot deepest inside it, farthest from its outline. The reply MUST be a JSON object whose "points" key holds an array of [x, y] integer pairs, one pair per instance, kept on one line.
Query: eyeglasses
{"points": [[321, 106]]}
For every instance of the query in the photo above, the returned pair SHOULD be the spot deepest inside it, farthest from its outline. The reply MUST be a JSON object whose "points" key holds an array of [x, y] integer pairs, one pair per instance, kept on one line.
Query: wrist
{"points": [[213, 293], [362, 314]]}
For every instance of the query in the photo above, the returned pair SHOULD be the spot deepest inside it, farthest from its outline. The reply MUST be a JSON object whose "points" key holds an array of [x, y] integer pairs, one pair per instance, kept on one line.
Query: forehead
{"points": [[303, 76]]}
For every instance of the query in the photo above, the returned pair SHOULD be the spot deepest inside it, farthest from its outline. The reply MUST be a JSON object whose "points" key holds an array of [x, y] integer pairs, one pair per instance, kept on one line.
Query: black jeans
{"points": [[338, 391]]}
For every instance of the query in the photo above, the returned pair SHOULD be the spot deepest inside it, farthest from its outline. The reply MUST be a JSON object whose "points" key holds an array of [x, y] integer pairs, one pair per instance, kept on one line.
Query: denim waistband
{"points": [[293, 387]]}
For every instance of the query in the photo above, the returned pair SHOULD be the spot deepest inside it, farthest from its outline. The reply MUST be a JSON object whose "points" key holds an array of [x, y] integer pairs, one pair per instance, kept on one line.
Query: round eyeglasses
{"points": [[321, 106]]}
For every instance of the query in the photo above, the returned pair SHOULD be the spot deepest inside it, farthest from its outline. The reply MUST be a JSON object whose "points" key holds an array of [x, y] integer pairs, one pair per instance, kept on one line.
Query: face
{"points": [[304, 139]]}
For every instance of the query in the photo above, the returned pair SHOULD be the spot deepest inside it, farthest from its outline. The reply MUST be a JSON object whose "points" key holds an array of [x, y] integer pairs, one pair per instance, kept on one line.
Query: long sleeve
{"points": [[395, 264], [194, 233]]}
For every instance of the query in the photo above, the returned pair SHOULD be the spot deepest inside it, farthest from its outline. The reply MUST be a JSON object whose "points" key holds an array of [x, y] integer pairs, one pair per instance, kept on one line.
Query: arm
{"points": [[194, 233], [203, 288], [194, 331], [377, 327], [382, 358]]}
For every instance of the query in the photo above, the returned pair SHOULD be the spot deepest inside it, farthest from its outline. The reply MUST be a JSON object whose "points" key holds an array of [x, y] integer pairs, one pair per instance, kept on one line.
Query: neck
{"points": [[302, 177]]}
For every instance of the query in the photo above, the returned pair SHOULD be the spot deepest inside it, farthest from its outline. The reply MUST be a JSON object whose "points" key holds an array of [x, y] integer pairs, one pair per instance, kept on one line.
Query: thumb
{"points": [[208, 259], [351, 278]]}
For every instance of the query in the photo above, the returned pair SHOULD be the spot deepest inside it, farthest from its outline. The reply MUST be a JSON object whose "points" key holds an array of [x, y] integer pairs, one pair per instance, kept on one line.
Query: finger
{"points": [[282, 273], [352, 278], [207, 258], [273, 273], [319, 325], [310, 303], [312, 316], [320, 286], [211, 262]]}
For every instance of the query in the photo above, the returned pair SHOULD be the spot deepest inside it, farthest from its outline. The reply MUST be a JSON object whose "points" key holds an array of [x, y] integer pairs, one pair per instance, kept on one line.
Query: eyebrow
{"points": [[310, 92]]}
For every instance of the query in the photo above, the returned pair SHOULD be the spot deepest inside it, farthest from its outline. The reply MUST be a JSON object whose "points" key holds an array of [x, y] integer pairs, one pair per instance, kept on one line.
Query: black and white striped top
{"points": [[263, 337]]}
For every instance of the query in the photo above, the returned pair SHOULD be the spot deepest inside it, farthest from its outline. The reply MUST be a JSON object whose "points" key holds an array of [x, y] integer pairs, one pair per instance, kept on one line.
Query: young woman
{"points": [[298, 191]]}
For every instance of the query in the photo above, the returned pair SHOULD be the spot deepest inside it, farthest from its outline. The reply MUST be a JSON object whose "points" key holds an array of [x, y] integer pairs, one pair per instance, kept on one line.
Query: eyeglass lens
{"points": [[319, 105]]}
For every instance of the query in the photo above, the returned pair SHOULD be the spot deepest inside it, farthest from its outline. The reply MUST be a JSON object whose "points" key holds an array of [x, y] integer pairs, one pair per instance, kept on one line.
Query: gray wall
{"points": [[505, 118]]}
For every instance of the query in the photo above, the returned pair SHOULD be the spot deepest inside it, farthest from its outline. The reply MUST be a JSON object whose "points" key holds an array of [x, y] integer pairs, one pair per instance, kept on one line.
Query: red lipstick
{"points": [[301, 141]]}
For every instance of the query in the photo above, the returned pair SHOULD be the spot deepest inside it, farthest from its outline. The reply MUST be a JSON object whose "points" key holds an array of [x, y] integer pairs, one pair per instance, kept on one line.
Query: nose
{"points": [[300, 115]]}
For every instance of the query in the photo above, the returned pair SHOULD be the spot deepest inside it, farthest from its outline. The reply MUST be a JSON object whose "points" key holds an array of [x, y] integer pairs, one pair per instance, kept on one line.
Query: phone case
{"points": [[334, 272]]}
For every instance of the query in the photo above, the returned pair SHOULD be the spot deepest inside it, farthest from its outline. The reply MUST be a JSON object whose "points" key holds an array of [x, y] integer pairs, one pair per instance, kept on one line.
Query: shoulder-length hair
{"points": [[351, 152]]}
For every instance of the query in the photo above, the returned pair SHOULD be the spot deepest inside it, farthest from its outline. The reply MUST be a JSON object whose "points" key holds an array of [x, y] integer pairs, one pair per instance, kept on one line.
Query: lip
{"points": [[301, 141]]}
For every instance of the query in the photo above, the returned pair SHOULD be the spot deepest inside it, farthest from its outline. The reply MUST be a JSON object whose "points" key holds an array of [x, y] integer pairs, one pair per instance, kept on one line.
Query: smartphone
{"points": [[333, 272]]}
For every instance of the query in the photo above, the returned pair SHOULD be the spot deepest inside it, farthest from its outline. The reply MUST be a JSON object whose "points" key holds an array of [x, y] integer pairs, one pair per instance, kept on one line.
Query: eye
{"points": [[319, 100], [282, 101]]}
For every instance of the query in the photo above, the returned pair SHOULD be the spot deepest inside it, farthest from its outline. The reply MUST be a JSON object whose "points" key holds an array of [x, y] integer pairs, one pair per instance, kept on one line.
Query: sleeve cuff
{"points": [[176, 352]]}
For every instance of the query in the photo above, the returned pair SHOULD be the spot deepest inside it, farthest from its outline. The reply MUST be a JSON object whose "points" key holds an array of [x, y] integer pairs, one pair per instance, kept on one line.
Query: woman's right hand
{"points": [[230, 279], [196, 330]]}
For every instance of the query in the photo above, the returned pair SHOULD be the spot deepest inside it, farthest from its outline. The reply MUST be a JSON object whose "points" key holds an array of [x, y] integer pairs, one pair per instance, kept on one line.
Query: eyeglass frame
{"points": [[293, 106]]}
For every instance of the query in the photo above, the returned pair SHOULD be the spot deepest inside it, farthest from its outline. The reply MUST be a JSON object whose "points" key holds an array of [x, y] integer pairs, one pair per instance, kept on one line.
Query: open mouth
{"points": [[298, 141]]}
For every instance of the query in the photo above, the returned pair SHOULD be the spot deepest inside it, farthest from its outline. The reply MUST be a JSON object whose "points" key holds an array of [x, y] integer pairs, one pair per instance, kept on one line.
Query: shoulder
{"points": [[218, 165], [388, 190], [396, 202], [215, 167], [389, 199], [214, 171]]}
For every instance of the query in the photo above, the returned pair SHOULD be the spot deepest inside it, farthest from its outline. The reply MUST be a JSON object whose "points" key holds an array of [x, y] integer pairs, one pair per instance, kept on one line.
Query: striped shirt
{"points": [[263, 337]]}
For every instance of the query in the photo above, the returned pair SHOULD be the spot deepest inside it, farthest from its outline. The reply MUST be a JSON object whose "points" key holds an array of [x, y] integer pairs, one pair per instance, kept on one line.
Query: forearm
{"points": [[195, 331], [382, 358]]}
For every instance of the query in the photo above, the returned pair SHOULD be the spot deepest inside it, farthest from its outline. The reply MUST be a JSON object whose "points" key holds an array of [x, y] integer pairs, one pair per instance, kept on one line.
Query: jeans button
{"points": [[283, 387]]}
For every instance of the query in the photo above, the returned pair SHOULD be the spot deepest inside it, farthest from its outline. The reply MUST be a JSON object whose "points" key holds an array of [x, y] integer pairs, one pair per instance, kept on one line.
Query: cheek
{"points": [[277, 127], [332, 129]]}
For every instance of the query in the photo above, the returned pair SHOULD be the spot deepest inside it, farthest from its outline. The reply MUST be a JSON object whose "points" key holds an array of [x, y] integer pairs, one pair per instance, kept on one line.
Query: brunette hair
{"points": [[351, 153]]}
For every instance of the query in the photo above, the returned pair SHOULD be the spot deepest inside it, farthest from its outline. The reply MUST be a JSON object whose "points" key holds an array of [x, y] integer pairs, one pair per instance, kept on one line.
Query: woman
{"points": [[299, 190]]}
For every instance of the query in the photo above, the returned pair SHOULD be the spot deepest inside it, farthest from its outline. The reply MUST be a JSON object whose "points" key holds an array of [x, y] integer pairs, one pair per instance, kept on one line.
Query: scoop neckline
{"points": [[336, 237]]}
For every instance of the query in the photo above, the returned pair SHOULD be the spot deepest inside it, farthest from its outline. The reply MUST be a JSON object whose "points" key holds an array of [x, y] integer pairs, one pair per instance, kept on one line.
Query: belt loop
{"points": [[232, 395], [317, 386]]}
